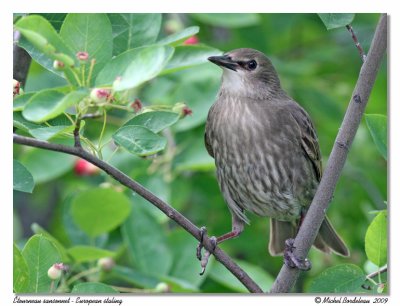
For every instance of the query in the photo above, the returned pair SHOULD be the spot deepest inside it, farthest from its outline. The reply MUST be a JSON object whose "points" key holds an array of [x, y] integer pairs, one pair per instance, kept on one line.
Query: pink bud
{"points": [[136, 105], [83, 167], [82, 56], [16, 87], [100, 94], [193, 40]]}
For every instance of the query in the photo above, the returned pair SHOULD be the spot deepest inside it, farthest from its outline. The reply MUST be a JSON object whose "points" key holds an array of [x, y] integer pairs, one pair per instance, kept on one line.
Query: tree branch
{"points": [[356, 42], [173, 214], [21, 61], [316, 213]]}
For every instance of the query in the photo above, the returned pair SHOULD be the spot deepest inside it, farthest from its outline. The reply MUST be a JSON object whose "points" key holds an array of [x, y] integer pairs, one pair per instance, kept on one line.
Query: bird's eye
{"points": [[251, 65]]}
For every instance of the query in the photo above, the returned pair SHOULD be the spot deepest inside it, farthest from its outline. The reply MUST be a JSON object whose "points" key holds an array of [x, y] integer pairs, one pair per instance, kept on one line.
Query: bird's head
{"points": [[247, 72]]}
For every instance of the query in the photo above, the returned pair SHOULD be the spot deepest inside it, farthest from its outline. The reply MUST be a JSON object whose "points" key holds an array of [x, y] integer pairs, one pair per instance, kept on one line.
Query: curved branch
{"points": [[316, 213], [173, 214]]}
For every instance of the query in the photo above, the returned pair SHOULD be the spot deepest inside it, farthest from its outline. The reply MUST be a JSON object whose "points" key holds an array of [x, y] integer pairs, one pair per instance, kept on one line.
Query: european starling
{"points": [[266, 151]]}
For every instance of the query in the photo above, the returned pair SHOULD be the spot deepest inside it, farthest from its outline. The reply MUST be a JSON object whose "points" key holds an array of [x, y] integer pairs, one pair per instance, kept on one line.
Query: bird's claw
{"points": [[204, 260], [291, 260]]}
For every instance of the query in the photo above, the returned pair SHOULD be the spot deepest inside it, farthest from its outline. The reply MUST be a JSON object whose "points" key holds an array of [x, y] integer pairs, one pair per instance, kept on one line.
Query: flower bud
{"points": [[82, 56], [182, 109], [58, 65], [172, 26], [99, 95], [83, 167], [106, 263], [162, 287], [55, 271], [16, 88], [193, 40], [136, 105]]}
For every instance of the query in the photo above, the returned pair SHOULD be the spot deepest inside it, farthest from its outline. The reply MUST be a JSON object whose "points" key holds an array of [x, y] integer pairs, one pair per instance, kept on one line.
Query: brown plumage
{"points": [[266, 151]]}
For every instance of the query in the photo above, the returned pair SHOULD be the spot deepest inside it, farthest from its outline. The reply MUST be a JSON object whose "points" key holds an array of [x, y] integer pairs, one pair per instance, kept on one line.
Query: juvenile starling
{"points": [[266, 151]]}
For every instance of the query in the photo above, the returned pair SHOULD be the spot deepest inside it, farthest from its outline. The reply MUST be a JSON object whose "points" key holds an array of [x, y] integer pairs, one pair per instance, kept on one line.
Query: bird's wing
{"points": [[208, 146], [309, 138]]}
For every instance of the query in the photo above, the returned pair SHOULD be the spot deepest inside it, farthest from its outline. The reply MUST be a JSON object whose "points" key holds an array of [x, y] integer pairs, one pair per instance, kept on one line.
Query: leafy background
{"points": [[318, 68]]}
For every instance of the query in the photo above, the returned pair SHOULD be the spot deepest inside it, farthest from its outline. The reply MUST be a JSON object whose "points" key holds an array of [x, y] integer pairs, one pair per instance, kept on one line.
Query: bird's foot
{"points": [[204, 260], [291, 260]]}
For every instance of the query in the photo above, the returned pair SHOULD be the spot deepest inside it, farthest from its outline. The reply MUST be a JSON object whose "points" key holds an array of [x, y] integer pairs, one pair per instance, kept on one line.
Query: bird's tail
{"points": [[327, 239]]}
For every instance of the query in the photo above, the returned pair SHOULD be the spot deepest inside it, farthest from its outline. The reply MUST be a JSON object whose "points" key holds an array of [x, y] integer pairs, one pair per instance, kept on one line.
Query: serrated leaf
{"points": [[189, 56], [49, 103], [84, 253], [337, 20], [155, 121], [99, 210], [40, 254], [228, 20], [177, 38], [376, 240], [139, 140], [91, 33], [134, 30], [92, 287], [339, 279], [377, 125], [20, 272], [135, 67], [22, 178]]}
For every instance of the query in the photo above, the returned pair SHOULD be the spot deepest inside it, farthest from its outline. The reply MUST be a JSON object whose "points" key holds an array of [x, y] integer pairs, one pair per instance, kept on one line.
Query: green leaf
{"points": [[139, 140], [20, 272], [332, 21], [46, 165], [228, 20], [40, 254], [135, 67], [154, 121], [83, 253], [377, 125], [177, 38], [134, 30], [49, 103], [91, 33], [23, 124], [189, 56], [22, 178], [134, 277], [20, 101], [37, 229], [46, 133], [147, 243], [99, 210], [42, 28], [221, 275], [92, 287], [339, 279], [376, 240], [56, 19]]}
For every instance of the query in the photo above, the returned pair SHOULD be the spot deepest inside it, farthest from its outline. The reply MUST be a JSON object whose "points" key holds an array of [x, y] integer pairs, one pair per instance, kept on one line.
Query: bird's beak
{"points": [[224, 61]]}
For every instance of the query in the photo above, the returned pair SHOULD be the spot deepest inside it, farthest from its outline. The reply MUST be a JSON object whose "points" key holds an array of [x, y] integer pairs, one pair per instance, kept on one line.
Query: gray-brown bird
{"points": [[266, 151]]}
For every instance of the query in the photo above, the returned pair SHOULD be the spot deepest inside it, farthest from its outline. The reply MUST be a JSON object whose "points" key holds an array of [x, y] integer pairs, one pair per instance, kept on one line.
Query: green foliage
{"points": [[156, 91]]}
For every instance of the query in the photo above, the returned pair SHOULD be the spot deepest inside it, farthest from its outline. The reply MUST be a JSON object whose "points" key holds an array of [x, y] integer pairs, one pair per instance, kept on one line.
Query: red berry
{"points": [[193, 40], [83, 167]]}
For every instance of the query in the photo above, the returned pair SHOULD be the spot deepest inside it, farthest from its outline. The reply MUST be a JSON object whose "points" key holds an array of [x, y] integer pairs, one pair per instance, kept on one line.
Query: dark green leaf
{"points": [[23, 124], [177, 38], [22, 179], [228, 20], [135, 67], [20, 272], [134, 30], [332, 21], [377, 125], [46, 165], [40, 254], [134, 277], [92, 288], [83, 253], [56, 19], [48, 104], [376, 240], [154, 121], [89, 33], [188, 56], [139, 140], [147, 243], [20, 101], [339, 279], [99, 210], [221, 275], [46, 133]]}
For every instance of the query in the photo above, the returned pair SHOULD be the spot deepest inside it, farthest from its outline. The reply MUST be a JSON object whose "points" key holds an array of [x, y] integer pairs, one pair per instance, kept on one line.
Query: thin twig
{"points": [[77, 138], [374, 274], [173, 214], [316, 213], [358, 45]]}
